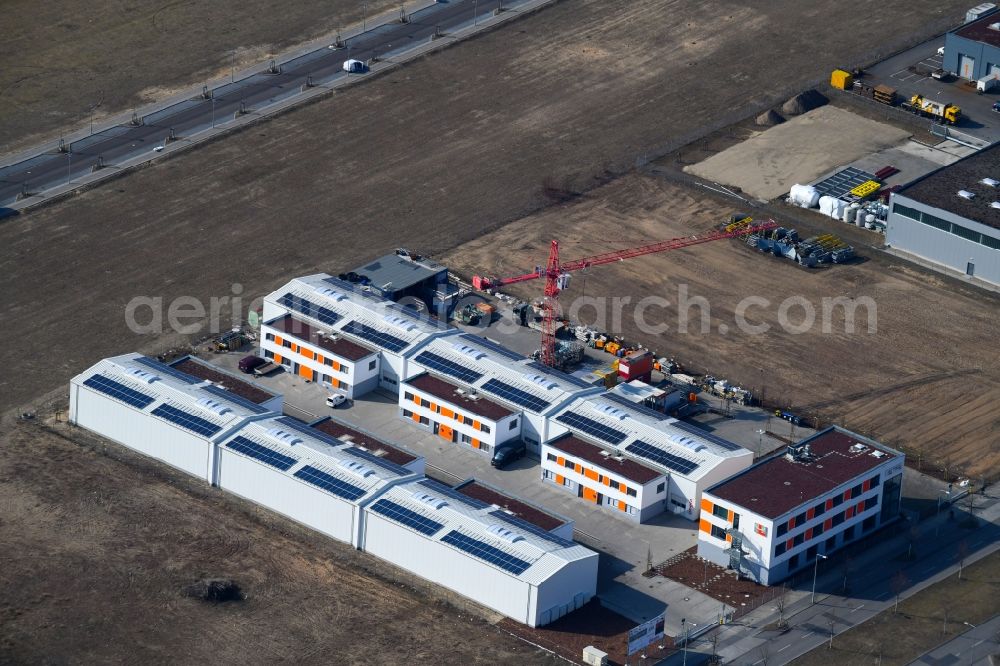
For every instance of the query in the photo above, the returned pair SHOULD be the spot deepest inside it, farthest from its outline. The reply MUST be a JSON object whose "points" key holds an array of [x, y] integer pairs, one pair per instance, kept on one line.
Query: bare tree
{"points": [[831, 625], [763, 652], [914, 537], [779, 603], [899, 583], [846, 570]]}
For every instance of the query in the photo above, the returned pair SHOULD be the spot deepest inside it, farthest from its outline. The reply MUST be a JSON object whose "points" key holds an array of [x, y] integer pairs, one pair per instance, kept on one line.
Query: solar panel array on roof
{"points": [[310, 309], [441, 364], [668, 460], [440, 489], [486, 552], [238, 399], [195, 424], [715, 439], [639, 407], [375, 336], [560, 375], [387, 465], [592, 427], [493, 346], [167, 370], [842, 182], [118, 391], [531, 528], [407, 517], [516, 395], [262, 453], [329, 483]]}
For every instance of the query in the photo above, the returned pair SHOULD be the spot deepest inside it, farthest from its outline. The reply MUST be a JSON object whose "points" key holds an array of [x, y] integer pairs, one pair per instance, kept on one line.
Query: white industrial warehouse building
{"points": [[480, 551], [339, 487], [952, 217]]}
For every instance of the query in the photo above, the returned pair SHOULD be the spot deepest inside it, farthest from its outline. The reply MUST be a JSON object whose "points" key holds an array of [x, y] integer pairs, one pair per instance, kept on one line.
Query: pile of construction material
{"points": [[809, 252]]}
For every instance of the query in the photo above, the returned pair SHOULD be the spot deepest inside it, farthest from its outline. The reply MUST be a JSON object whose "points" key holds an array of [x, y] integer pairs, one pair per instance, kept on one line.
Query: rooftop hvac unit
{"points": [[965, 194], [990, 181], [995, 204], [594, 657]]}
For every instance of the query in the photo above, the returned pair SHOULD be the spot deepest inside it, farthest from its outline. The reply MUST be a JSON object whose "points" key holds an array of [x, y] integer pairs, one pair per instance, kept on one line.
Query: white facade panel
{"points": [[143, 432], [448, 567], [287, 495], [564, 591]]}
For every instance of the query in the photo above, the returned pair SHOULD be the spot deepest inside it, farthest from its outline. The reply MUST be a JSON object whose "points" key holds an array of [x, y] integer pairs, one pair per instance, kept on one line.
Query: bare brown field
{"points": [[97, 551], [428, 156], [927, 379], [65, 62]]}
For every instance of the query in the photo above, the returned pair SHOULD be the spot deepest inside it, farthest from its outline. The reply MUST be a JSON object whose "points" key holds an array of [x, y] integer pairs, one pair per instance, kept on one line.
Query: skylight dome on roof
{"points": [[608, 410], [143, 376], [687, 442], [400, 322], [430, 500], [284, 436], [504, 533], [213, 406], [471, 352], [332, 294], [357, 468]]}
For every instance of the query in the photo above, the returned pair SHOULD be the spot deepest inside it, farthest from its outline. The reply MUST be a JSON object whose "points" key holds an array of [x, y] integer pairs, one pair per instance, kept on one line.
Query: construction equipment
{"points": [[841, 80], [942, 111], [468, 315], [556, 274]]}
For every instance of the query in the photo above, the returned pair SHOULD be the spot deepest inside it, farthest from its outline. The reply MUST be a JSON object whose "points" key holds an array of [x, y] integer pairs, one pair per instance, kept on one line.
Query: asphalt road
{"points": [[117, 144], [973, 647], [869, 592]]}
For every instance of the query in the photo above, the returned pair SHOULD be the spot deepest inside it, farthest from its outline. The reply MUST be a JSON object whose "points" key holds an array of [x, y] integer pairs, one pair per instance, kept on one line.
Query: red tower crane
{"points": [[556, 274]]}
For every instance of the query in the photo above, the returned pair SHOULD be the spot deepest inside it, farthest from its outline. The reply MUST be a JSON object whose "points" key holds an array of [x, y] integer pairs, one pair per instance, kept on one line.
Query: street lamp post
{"points": [[937, 514], [475, 13], [364, 18], [815, 571]]}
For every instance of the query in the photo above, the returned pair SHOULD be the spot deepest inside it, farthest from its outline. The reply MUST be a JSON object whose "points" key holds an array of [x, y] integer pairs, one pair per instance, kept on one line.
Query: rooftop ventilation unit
{"points": [[613, 412], [605, 453], [507, 535], [284, 436], [995, 204], [858, 448], [990, 181], [357, 468], [471, 352], [965, 194], [143, 376], [213, 406], [460, 391], [400, 322], [430, 500], [332, 294], [688, 443], [995, 26], [878, 454]]}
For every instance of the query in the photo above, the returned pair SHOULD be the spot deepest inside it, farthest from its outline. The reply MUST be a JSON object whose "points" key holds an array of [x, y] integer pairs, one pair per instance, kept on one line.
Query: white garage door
{"points": [[966, 65]]}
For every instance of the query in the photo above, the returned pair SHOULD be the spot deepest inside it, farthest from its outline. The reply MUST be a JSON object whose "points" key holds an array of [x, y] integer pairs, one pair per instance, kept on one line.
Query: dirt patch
{"points": [[98, 544], [215, 590], [919, 379], [798, 151], [591, 625]]}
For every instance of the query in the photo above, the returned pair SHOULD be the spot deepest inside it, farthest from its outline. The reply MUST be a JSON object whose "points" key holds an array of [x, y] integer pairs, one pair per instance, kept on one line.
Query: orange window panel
{"points": [[277, 358], [319, 359], [809, 534], [307, 353], [447, 412], [560, 480], [866, 486], [476, 425], [704, 525], [560, 461], [729, 518], [446, 432], [416, 398], [305, 372], [607, 482], [621, 506], [590, 474], [590, 495], [706, 505], [810, 513], [729, 538], [432, 407], [475, 443], [416, 417], [622, 487], [578, 467], [278, 340]]}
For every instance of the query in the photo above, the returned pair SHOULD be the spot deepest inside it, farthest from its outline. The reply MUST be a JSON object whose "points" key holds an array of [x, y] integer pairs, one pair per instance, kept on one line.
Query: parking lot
{"points": [[978, 118]]}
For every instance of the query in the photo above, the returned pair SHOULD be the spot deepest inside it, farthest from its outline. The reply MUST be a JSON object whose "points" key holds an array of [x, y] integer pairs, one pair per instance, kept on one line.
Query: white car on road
{"points": [[335, 400]]}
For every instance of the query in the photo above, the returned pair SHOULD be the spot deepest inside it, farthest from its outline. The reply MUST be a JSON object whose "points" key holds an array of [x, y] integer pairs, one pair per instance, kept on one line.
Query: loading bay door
{"points": [[966, 65]]}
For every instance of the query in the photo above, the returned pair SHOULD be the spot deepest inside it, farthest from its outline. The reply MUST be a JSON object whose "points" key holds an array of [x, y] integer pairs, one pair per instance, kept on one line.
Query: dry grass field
{"points": [[927, 378], [920, 624], [66, 62], [98, 545]]}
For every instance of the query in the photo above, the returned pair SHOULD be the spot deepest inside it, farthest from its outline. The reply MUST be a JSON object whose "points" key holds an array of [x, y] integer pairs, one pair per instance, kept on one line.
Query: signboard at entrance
{"points": [[648, 632]]}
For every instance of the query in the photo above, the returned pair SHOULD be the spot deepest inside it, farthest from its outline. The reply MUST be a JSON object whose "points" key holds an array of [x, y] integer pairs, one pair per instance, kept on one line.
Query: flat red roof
{"points": [[310, 335], [375, 446], [446, 391], [980, 30], [236, 385], [776, 486], [532, 514], [626, 467]]}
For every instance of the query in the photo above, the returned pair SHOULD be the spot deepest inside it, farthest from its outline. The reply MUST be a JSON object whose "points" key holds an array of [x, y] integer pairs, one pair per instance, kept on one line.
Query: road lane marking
{"points": [[808, 635], [857, 609], [785, 648], [978, 642], [882, 596]]}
